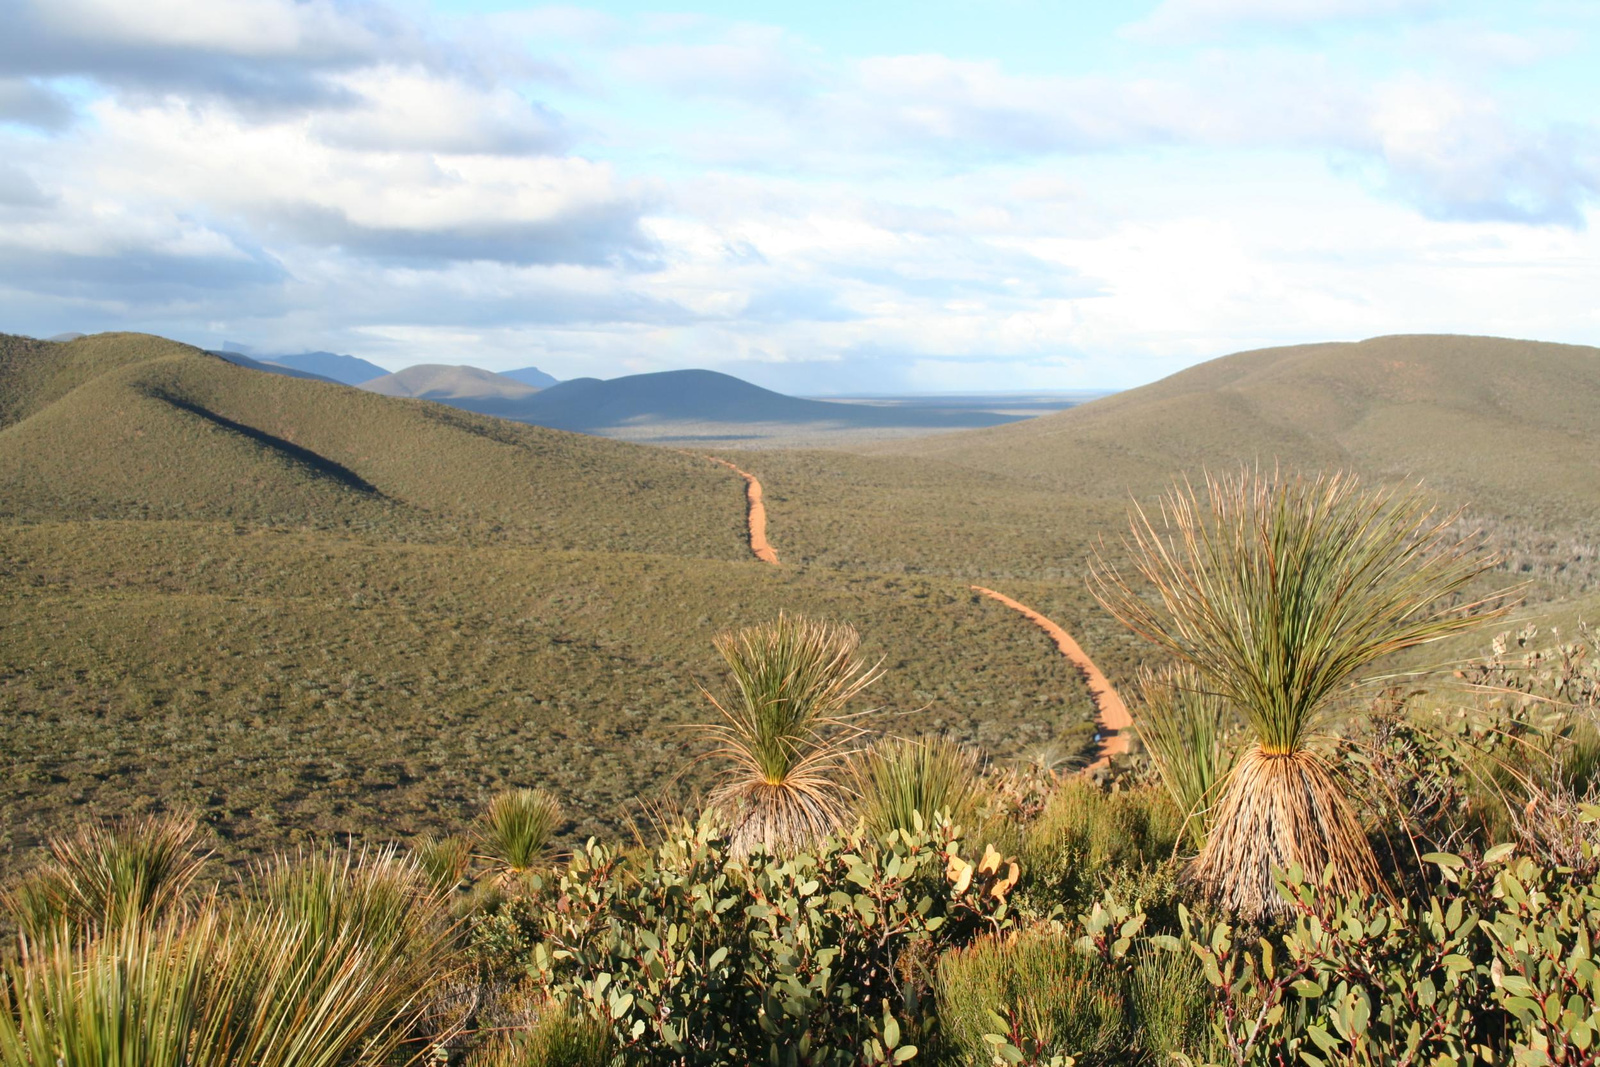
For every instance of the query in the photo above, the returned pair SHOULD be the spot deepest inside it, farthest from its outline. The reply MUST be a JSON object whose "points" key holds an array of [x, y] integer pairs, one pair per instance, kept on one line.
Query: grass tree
{"points": [[899, 780], [333, 959], [1189, 732], [786, 730], [1280, 592], [102, 875], [516, 828]]}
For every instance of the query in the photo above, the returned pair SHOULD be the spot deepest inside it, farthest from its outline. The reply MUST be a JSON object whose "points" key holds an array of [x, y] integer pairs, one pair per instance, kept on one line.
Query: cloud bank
{"points": [[600, 195]]}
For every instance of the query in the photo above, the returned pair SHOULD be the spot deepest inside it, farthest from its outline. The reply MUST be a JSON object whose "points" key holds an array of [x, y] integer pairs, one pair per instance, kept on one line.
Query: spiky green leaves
{"points": [[901, 781], [786, 730], [1190, 735], [326, 960], [103, 875], [1279, 590], [517, 827]]}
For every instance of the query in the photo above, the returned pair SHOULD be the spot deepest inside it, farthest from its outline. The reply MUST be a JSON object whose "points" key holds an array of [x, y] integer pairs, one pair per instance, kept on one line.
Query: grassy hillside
{"points": [[127, 426], [1507, 424], [307, 609]]}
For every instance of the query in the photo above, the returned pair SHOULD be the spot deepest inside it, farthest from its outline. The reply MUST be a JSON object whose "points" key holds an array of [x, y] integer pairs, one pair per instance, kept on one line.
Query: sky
{"points": [[821, 198]]}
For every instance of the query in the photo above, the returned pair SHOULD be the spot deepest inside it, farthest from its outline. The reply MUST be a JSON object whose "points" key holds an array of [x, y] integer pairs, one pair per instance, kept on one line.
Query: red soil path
{"points": [[1114, 720], [757, 514]]}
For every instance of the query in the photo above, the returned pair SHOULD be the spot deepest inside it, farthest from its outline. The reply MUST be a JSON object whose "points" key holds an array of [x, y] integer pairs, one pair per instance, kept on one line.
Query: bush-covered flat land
{"points": [[292, 682], [303, 609]]}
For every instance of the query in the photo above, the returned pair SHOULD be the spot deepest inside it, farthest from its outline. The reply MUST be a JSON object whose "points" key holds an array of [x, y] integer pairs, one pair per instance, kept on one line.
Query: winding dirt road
{"points": [[1114, 720], [756, 515]]}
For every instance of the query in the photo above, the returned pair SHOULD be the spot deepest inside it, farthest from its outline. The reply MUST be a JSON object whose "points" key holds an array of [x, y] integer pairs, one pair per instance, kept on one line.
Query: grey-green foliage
{"points": [[693, 956], [1496, 966]]}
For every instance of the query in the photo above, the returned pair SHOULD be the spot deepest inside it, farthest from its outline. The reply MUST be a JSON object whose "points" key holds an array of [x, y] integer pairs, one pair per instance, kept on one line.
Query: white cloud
{"points": [[1184, 19], [412, 110], [747, 62], [238, 27], [284, 177], [897, 221]]}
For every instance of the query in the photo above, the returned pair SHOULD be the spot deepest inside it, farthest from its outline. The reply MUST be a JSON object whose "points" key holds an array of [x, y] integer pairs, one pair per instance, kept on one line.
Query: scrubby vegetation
{"points": [[933, 943], [1057, 923]]}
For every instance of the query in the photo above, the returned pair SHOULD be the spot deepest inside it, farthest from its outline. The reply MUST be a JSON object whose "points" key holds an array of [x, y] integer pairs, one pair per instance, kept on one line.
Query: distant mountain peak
{"points": [[531, 376]]}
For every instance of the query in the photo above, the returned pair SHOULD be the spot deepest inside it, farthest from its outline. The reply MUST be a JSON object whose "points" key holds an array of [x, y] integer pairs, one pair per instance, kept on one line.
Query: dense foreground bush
{"points": [[319, 961], [694, 955], [1063, 927], [914, 947]]}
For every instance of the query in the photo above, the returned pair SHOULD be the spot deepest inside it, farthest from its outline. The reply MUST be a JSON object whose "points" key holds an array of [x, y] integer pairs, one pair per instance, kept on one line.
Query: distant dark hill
{"points": [[238, 359], [689, 397], [132, 426], [463, 387], [1508, 424], [530, 376], [347, 369]]}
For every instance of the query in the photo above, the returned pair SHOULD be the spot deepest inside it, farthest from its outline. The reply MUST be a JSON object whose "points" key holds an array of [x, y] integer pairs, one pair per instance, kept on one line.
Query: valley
{"points": [[305, 610]]}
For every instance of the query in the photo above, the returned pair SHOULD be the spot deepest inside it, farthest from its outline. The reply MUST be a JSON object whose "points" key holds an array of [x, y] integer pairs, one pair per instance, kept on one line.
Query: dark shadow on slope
{"points": [[314, 464]]}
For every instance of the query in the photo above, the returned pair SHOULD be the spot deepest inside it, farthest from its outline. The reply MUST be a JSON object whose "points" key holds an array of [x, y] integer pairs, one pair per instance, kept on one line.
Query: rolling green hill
{"points": [[130, 426], [1509, 425]]}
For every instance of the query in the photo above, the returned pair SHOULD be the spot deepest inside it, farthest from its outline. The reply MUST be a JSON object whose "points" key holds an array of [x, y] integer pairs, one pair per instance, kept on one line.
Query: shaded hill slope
{"points": [[1501, 422], [590, 405], [132, 426]]}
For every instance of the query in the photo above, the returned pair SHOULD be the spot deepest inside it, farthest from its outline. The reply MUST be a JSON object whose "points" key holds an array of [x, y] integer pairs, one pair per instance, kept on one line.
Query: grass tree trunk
{"points": [[1282, 810]]}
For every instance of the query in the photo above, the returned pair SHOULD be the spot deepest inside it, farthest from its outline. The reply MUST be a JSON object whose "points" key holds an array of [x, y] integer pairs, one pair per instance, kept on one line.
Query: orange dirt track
{"points": [[757, 514], [1114, 720]]}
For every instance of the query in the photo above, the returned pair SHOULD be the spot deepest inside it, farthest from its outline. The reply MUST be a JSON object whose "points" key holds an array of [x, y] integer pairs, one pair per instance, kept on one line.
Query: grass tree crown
{"points": [[1278, 590], [786, 730]]}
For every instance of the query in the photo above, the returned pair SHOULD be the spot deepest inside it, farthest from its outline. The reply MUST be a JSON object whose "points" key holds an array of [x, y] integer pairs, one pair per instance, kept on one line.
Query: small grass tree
{"points": [[785, 730], [1191, 736], [1279, 592], [899, 780], [515, 830]]}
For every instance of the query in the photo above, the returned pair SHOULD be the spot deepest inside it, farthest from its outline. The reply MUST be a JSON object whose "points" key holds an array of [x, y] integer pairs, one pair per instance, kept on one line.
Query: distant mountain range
{"points": [[347, 369], [463, 387], [239, 359], [665, 405]]}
